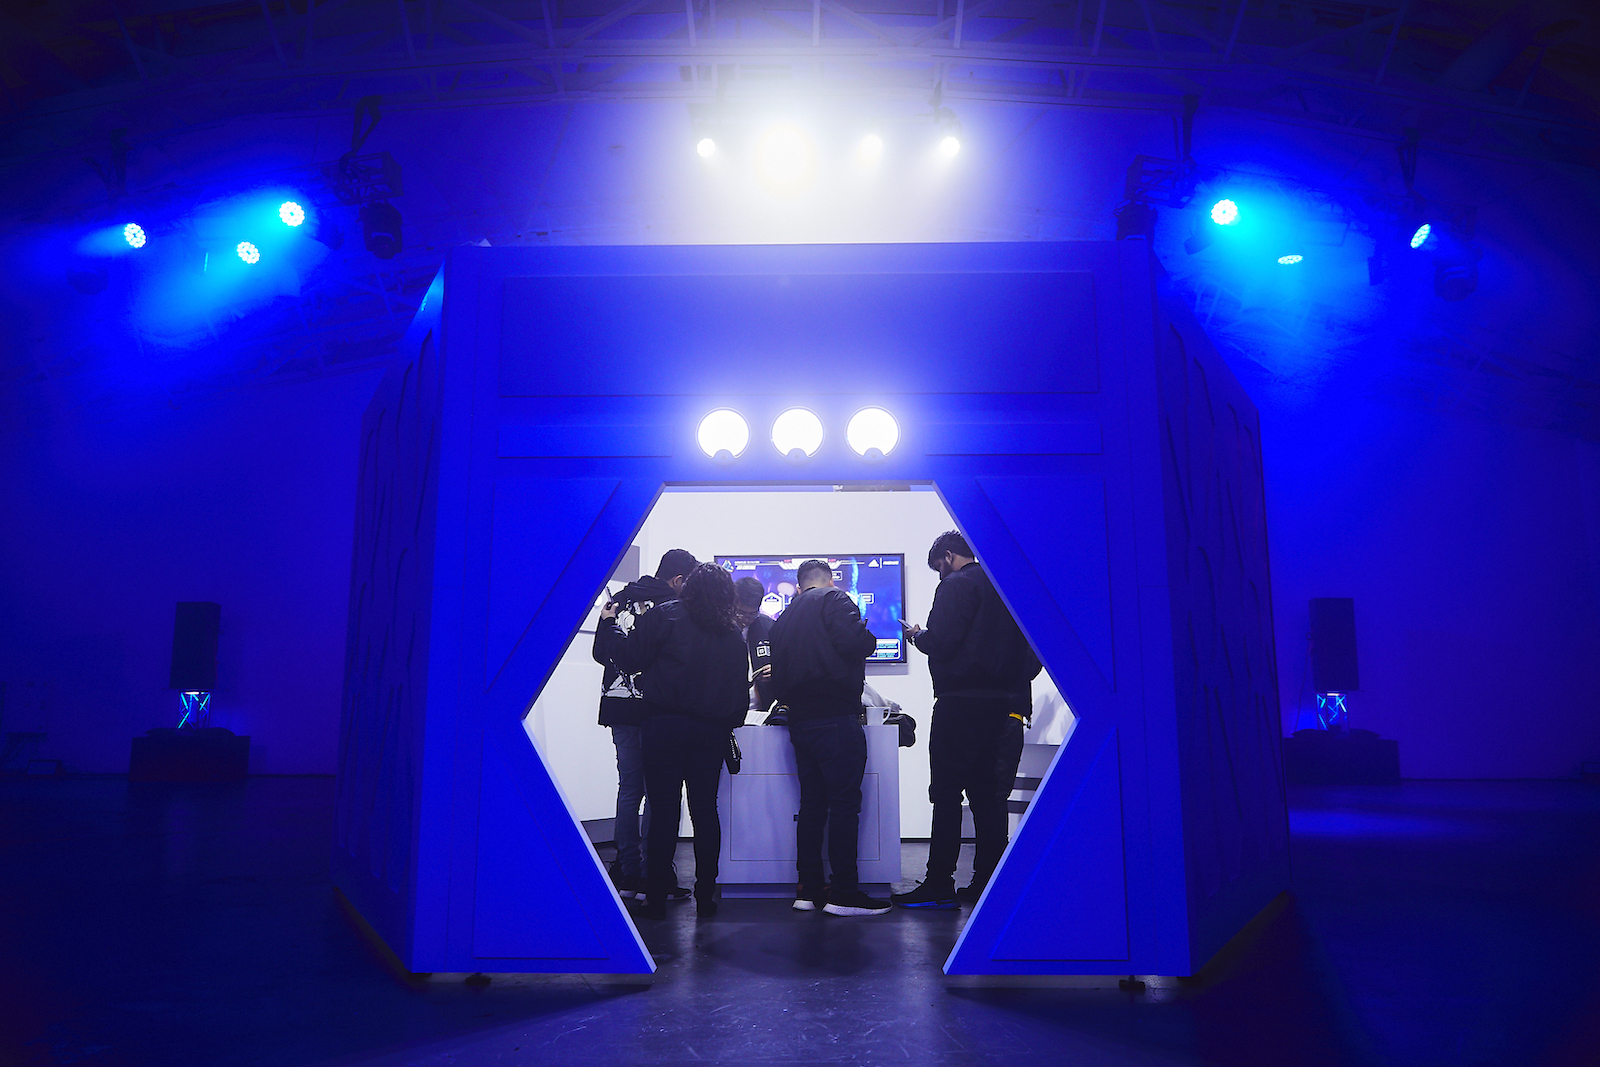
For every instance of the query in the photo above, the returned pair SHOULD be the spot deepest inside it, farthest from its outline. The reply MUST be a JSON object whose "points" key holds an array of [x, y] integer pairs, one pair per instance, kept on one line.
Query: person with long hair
{"points": [[693, 672]]}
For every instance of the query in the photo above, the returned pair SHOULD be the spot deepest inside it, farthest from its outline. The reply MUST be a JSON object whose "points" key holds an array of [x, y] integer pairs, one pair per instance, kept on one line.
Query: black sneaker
{"points": [[809, 898], [855, 903], [679, 892], [926, 896], [628, 886], [969, 894]]}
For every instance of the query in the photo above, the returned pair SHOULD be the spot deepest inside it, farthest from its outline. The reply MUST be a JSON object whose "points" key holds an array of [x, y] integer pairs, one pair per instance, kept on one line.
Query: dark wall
{"points": [[1473, 553], [247, 499]]}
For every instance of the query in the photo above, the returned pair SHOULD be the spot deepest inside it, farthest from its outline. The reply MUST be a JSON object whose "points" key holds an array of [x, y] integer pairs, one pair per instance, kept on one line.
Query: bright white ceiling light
{"points": [[871, 148], [784, 157], [723, 430], [707, 148], [797, 430], [872, 430], [949, 146]]}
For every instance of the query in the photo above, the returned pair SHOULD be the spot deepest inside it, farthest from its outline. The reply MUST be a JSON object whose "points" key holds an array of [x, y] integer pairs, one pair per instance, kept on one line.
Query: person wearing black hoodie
{"points": [[983, 669], [622, 708], [820, 647], [693, 675], [757, 629]]}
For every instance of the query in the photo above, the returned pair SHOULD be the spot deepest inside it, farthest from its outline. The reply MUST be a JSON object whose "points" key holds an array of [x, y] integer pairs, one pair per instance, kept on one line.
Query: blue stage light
{"points": [[291, 213], [1422, 236], [248, 252], [1289, 261], [1224, 213], [133, 233]]}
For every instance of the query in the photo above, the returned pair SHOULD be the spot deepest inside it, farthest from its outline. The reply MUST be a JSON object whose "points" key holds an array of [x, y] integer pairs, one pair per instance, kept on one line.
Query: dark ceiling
{"points": [[572, 121]]}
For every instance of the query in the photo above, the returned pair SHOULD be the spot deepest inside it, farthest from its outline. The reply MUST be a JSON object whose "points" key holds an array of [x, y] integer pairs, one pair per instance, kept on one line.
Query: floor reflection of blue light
{"points": [[1369, 824]]}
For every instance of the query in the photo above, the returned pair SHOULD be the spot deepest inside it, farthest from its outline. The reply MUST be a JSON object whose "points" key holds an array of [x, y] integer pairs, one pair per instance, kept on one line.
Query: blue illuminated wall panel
{"points": [[1091, 445]]}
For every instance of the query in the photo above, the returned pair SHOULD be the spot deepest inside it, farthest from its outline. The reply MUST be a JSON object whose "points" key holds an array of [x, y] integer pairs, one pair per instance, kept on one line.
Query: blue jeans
{"points": [[831, 755], [633, 849], [683, 754]]}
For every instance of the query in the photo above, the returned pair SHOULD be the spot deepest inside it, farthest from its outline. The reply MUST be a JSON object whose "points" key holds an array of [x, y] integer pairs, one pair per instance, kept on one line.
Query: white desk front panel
{"points": [[760, 804]]}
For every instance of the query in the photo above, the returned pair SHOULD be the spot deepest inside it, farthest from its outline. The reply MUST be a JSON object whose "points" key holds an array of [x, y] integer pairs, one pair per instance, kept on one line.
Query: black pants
{"points": [[831, 754], [682, 753], [974, 747]]}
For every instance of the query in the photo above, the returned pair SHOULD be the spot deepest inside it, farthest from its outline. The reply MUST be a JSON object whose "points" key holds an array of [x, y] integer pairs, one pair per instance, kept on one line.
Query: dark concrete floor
{"points": [[1433, 923]]}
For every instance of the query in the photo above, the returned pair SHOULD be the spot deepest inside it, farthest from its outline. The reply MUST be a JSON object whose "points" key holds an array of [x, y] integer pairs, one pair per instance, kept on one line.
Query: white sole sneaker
{"points": [[805, 905], [841, 909]]}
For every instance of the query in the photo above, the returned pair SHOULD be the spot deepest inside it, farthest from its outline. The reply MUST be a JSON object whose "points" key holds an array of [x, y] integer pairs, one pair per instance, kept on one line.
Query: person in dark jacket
{"points": [[755, 628], [820, 647], [983, 669], [693, 676], [622, 709]]}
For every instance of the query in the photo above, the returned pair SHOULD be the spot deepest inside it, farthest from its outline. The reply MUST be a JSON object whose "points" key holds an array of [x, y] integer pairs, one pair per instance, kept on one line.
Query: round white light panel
{"points": [[949, 146], [797, 428], [707, 148], [872, 428], [723, 430]]}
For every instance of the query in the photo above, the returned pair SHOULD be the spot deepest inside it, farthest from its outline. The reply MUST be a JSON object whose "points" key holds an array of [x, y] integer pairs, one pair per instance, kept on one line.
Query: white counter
{"points": [[760, 804]]}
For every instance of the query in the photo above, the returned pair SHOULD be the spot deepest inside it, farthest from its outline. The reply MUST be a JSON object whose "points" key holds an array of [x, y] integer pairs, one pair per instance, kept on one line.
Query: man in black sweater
{"points": [[982, 668], [622, 708], [819, 650]]}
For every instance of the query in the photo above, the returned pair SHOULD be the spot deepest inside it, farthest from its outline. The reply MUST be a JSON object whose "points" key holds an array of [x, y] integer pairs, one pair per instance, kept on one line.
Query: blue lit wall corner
{"points": [[378, 845], [1225, 676]]}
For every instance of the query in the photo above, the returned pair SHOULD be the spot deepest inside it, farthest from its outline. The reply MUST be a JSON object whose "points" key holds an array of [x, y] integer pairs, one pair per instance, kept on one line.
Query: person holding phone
{"points": [[983, 669]]}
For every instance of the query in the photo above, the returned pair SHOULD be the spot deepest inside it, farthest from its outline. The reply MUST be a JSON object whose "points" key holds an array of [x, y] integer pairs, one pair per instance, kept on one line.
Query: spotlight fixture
{"points": [[1423, 238], [248, 252], [871, 148], [949, 146], [797, 433], [723, 434], [380, 227], [872, 433], [707, 148], [291, 213], [1224, 213], [1289, 260], [1136, 220], [133, 233]]}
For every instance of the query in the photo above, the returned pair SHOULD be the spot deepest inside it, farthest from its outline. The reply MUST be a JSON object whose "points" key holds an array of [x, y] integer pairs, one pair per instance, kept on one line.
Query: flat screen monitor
{"points": [[876, 583]]}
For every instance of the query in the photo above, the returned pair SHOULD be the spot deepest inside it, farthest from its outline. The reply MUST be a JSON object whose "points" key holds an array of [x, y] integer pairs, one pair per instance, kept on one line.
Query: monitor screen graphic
{"points": [[875, 582]]}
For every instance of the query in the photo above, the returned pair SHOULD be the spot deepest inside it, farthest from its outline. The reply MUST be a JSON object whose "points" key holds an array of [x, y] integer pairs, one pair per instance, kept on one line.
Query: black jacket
{"points": [[760, 629], [973, 644], [820, 647], [680, 669], [621, 703]]}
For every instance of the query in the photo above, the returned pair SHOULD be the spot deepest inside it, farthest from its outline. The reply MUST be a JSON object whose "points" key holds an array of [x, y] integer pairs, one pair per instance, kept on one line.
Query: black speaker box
{"points": [[194, 646], [1325, 757], [211, 754], [1333, 645]]}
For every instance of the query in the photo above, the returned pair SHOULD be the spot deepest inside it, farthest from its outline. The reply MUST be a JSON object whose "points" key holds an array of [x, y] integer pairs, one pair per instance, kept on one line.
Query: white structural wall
{"points": [[822, 521]]}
